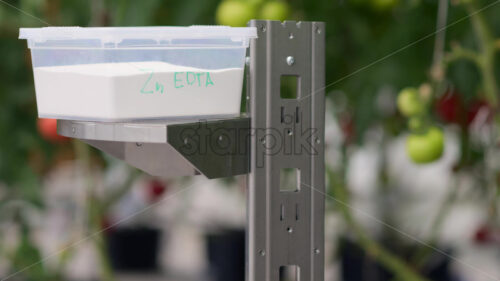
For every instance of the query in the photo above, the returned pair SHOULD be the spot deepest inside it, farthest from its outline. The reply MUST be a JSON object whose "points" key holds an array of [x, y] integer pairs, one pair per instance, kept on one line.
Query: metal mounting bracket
{"points": [[215, 148]]}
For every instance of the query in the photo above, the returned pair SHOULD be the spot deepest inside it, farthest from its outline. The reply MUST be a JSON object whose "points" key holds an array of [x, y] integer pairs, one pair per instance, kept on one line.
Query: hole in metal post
{"points": [[289, 86], [289, 179], [296, 212], [282, 212], [289, 273]]}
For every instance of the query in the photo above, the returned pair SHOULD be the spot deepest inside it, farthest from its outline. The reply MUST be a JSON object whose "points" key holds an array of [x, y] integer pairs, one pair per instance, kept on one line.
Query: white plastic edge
{"points": [[117, 34]]}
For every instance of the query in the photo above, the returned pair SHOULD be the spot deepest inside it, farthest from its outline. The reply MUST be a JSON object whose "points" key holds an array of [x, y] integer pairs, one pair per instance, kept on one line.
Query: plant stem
{"points": [[94, 212], [486, 60], [100, 243], [489, 82], [421, 256], [391, 262], [458, 53], [488, 46], [442, 16]]}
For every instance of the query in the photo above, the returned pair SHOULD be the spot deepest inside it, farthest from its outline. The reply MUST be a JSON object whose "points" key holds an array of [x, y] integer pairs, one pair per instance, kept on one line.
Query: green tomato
{"points": [[256, 2], [383, 5], [426, 147], [410, 103], [235, 13], [275, 10]]}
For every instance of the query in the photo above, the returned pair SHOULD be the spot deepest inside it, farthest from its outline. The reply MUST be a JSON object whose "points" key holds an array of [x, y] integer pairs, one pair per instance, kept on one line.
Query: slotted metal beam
{"points": [[286, 228]]}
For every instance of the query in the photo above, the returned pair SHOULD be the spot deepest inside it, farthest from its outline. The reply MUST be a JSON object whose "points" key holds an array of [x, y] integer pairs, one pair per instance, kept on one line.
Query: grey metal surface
{"points": [[150, 132], [157, 159], [215, 148], [286, 228]]}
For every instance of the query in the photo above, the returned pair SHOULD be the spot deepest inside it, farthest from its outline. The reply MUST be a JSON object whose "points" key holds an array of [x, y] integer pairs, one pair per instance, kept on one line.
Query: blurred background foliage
{"points": [[374, 49], [359, 33]]}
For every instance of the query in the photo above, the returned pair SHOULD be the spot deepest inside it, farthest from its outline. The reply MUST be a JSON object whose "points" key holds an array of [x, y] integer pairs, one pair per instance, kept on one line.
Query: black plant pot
{"points": [[226, 255], [134, 249], [357, 266]]}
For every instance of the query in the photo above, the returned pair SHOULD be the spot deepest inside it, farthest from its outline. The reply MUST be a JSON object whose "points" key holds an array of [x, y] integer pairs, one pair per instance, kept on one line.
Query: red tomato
{"points": [[475, 107], [452, 109], [449, 107], [155, 189], [487, 234], [347, 125], [482, 235], [107, 225], [48, 130]]}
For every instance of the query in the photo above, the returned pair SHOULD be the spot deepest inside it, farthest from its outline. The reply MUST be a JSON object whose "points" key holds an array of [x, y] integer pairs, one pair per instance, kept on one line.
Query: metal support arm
{"points": [[215, 148]]}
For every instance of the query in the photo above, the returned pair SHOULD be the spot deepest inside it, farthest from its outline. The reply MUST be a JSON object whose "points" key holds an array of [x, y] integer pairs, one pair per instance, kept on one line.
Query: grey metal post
{"points": [[286, 228]]}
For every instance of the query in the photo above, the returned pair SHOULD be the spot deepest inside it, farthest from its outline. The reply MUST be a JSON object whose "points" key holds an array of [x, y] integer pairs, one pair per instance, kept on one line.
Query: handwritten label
{"points": [[182, 79]]}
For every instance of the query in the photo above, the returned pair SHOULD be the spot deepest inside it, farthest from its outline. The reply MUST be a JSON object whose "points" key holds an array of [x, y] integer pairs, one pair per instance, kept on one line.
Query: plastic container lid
{"points": [[156, 33]]}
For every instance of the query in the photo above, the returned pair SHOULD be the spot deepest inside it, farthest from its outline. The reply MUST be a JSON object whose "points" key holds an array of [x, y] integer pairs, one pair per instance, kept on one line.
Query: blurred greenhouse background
{"points": [[413, 178]]}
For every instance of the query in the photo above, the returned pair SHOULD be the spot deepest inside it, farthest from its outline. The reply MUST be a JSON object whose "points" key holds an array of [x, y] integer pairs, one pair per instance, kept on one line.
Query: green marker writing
{"points": [[187, 77], [209, 80], [177, 80]]}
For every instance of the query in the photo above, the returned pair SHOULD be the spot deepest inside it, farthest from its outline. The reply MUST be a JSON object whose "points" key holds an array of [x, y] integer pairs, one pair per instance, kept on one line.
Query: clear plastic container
{"points": [[132, 73]]}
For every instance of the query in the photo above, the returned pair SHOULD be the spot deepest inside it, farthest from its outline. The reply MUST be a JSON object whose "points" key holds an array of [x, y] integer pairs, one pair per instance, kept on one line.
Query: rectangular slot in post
{"points": [[296, 212], [282, 212], [289, 180], [289, 86], [289, 273]]}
